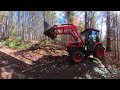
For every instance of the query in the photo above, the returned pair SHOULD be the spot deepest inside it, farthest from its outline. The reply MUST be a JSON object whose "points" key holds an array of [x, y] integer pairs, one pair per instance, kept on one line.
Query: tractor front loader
{"points": [[81, 44]]}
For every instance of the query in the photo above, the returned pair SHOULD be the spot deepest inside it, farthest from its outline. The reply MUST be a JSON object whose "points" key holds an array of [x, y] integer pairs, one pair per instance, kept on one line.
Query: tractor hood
{"points": [[51, 33]]}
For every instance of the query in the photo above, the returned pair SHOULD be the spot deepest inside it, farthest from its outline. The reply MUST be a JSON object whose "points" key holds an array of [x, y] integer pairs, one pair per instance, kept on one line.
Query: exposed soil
{"points": [[43, 64]]}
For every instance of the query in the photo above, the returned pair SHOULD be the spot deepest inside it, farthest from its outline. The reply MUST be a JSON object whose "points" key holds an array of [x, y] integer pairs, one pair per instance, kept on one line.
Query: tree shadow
{"points": [[47, 67], [11, 68], [61, 67]]}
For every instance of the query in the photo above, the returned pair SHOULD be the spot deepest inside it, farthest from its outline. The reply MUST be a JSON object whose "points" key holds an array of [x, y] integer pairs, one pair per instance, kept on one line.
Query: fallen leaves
{"points": [[6, 73]]}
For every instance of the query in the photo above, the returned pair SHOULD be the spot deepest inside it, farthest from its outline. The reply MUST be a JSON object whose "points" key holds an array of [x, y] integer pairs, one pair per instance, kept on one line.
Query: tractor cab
{"points": [[90, 36]]}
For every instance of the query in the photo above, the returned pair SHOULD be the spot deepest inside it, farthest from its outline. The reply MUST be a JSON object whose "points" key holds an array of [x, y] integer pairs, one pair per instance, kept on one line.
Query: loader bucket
{"points": [[51, 33]]}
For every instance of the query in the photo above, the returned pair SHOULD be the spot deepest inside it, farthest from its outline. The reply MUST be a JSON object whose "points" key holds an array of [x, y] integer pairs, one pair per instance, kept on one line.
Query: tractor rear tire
{"points": [[99, 52], [77, 57]]}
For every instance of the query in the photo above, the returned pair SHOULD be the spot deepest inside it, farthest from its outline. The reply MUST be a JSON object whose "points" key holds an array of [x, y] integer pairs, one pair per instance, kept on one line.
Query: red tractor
{"points": [[81, 44]]}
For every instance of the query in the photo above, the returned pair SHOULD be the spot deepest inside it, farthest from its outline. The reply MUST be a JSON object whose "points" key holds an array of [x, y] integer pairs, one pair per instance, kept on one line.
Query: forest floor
{"points": [[53, 64]]}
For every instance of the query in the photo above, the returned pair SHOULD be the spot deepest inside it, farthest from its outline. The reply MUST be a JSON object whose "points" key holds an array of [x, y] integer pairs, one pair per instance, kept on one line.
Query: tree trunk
{"points": [[18, 22], [117, 36], [29, 27], [108, 48], [86, 20], [114, 36], [69, 17]]}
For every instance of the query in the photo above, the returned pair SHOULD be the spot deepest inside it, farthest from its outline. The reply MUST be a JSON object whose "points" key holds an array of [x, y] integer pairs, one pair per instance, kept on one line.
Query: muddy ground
{"points": [[45, 64]]}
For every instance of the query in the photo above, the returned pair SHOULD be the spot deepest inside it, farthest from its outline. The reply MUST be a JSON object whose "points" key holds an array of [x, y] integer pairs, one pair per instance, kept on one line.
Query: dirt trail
{"points": [[11, 53], [43, 64]]}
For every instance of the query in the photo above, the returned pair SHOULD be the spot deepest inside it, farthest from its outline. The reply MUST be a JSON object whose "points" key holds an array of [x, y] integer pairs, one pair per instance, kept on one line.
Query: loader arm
{"points": [[69, 29]]}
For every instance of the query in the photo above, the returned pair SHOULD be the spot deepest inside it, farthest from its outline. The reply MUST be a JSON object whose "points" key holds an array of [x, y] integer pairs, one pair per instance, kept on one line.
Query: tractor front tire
{"points": [[99, 52], [77, 57]]}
